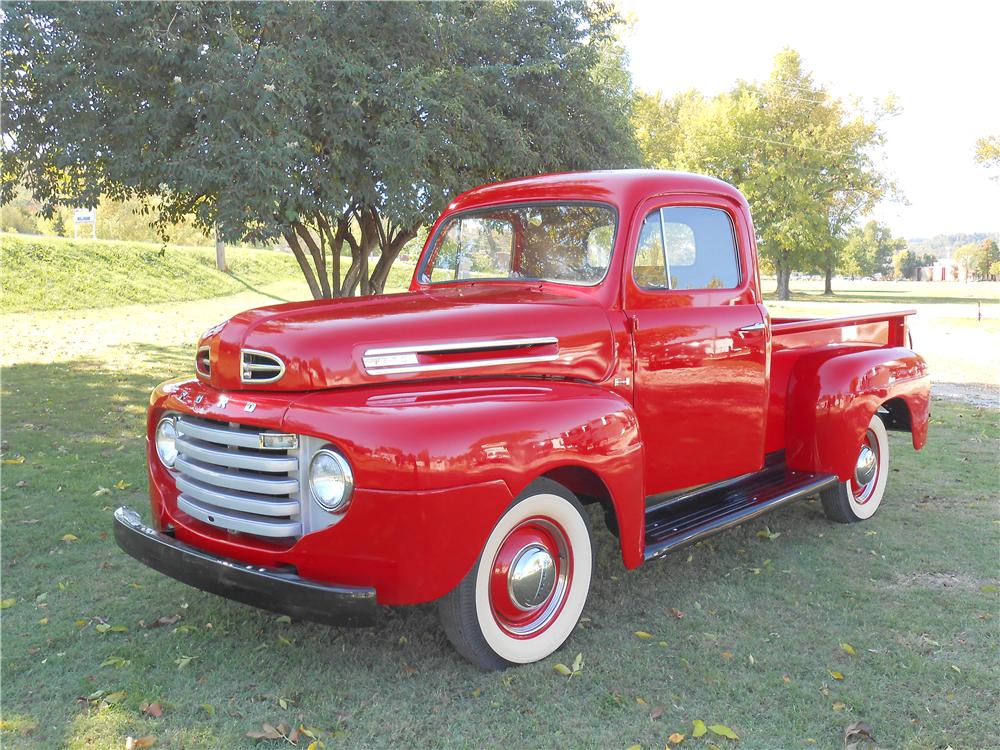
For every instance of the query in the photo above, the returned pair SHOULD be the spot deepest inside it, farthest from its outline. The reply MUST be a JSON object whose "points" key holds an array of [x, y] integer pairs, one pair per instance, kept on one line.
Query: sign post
{"points": [[85, 216]]}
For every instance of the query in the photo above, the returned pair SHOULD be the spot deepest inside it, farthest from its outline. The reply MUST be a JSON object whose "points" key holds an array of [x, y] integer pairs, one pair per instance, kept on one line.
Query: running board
{"points": [[720, 507]]}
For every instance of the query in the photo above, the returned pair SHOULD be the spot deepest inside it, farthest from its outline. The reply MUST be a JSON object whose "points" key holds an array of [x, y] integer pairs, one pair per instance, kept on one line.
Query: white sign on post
{"points": [[85, 216]]}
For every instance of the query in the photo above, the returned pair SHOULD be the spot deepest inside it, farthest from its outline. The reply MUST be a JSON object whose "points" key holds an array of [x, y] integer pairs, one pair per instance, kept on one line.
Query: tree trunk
{"points": [[784, 278], [828, 284], [220, 253]]}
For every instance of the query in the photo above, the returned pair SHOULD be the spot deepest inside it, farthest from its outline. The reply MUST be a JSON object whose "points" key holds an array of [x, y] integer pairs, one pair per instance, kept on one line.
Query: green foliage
{"points": [[327, 124], [87, 273], [870, 250], [803, 158], [988, 153], [979, 259]]}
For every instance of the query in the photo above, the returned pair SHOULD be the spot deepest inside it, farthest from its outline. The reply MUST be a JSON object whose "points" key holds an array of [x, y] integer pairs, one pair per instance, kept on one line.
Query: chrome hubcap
{"points": [[532, 577], [864, 470]]}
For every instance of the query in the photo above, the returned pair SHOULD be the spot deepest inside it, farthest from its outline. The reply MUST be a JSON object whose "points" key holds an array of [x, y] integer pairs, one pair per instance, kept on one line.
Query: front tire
{"points": [[859, 498], [526, 592]]}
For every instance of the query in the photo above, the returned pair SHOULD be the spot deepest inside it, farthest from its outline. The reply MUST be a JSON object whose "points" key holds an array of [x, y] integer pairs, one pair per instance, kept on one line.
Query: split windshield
{"points": [[566, 243]]}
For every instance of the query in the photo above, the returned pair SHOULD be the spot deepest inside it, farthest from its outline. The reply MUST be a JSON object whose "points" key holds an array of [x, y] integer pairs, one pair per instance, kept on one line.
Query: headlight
{"points": [[166, 441], [330, 479]]}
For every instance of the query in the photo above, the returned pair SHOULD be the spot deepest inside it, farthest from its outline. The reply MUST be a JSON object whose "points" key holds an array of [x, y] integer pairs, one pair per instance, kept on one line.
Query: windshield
{"points": [[568, 243]]}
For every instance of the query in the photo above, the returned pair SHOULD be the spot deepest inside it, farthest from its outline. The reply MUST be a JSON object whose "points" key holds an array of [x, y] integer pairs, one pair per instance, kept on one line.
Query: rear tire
{"points": [[526, 592], [859, 498]]}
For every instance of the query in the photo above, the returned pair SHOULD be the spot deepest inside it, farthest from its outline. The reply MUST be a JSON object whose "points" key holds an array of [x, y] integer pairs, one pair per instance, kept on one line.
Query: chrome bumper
{"points": [[274, 589]]}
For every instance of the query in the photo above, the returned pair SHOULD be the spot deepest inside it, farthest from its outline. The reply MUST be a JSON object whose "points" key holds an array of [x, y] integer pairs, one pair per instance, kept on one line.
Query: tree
{"points": [[337, 127], [905, 264], [804, 160], [979, 259], [870, 250], [988, 153]]}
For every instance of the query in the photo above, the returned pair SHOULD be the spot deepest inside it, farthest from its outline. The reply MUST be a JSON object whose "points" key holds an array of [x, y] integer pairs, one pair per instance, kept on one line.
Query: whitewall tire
{"points": [[859, 498], [526, 592]]}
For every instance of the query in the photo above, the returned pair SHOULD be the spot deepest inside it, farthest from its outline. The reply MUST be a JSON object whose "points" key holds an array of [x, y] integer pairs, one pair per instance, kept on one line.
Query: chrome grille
{"points": [[226, 479], [203, 362]]}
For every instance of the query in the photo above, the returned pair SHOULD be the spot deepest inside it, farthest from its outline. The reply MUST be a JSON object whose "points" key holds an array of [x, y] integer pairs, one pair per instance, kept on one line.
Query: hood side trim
{"points": [[404, 359]]}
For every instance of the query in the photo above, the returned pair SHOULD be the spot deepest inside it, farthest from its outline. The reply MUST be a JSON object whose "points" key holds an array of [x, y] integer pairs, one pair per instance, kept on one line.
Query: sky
{"points": [[939, 60]]}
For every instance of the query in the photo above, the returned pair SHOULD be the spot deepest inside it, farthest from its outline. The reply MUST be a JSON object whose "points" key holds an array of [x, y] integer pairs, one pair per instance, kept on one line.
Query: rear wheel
{"points": [[859, 498], [525, 594]]}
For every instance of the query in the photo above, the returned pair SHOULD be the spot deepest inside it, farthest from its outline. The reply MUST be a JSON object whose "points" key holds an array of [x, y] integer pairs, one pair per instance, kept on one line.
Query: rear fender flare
{"points": [[833, 395]]}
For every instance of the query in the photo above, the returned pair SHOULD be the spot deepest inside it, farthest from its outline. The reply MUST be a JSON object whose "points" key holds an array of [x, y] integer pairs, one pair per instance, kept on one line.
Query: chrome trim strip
{"points": [[373, 357], [257, 367], [235, 481], [464, 365], [237, 521], [261, 504], [462, 346], [239, 438], [236, 459]]}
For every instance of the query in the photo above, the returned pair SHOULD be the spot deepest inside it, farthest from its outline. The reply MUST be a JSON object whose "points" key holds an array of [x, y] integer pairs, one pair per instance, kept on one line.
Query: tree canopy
{"points": [[805, 160], [332, 125], [869, 250]]}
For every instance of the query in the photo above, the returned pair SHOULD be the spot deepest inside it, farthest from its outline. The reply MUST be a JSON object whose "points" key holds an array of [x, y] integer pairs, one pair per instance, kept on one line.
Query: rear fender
{"points": [[833, 395]]}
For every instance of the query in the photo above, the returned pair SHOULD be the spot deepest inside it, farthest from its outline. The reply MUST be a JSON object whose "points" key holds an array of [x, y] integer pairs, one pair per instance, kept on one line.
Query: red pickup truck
{"points": [[567, 340]]}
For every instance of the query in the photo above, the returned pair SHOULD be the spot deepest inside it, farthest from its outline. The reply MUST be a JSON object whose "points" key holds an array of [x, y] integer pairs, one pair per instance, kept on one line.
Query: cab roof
{"points": [[622, 188]]}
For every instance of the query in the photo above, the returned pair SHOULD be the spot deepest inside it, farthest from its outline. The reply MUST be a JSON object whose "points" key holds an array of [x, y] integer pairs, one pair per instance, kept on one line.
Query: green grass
{"points": [[52, 273], [914, 591], [47, 273], [892, 292]]}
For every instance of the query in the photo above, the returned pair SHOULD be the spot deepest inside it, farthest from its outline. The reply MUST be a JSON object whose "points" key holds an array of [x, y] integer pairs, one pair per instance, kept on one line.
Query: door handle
{"points": [[751, 328]]}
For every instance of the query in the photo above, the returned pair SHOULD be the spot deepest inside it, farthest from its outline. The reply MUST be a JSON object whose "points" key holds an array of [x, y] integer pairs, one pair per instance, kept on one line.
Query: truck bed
{"points": [[793, 338]]}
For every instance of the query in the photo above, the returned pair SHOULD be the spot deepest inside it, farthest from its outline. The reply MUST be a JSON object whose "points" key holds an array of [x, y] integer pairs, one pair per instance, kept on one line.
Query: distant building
{"points": [[944, 269]]}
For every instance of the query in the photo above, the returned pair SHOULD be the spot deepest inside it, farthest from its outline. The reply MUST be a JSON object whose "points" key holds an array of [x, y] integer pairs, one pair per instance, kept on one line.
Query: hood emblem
{"points": [[249, 406], [260, 367]]}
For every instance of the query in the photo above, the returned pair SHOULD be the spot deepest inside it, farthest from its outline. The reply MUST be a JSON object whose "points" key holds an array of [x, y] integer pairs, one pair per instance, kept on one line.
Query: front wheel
{"points": [[525, 594], [858, 498]]}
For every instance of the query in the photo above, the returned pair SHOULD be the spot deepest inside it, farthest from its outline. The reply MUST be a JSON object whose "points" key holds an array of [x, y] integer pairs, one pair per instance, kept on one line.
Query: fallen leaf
{"points": [[640, 701], [137, 743], [102, 491], [22, 483], [656, 712], [165, 620], [839, 705], [723, 731], [315, 745], [836, 675], [727, 655], [956, 669], [284, 619], [578, 663], [857, 733], [636, 746], [70, 537], [44, 621], [676, 613], [847, 648], [266, 732], [642, 634], [563, 670], [285, 702], [786, 679], [121, 484], [116, 697], [152, 709], [184, 661], [17, 460], [476, 692], [766, 533], [699, 728], [409, 670], [676, 738], [102, 627], [4, 603], [208, 708]]}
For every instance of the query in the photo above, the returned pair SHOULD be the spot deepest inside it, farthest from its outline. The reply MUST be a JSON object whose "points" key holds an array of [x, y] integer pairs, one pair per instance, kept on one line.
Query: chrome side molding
{"points": [[404, 359]]}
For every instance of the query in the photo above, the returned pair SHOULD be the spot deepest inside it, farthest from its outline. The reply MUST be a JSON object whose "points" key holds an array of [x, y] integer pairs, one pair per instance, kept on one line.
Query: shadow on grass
{"points": [[256, 290], [900, 297]]}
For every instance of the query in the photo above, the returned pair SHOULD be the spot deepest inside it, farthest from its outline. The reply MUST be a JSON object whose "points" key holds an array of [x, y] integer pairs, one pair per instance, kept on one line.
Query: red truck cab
{"points": [[567, 340]]}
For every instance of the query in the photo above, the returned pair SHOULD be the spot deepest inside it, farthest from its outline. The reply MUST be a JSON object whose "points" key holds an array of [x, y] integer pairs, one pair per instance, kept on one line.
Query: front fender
{"points": [[832, 396], [477, 434]]}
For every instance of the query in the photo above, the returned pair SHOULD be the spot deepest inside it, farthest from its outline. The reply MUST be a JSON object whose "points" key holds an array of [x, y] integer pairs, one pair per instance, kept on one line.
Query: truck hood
{"points": [[466, 331]]}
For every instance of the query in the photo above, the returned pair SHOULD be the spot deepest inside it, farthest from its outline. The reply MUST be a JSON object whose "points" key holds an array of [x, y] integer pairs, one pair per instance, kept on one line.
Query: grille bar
{"points": [[234, 520], [237, 459], [227, 480]]}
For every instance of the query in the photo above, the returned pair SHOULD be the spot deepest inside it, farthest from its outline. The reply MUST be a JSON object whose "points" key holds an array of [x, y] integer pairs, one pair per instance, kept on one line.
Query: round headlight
{"points": [[166, 441], [330, 479]]}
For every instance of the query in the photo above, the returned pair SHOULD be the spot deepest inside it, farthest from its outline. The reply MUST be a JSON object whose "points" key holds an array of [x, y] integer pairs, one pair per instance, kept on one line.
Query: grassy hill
{"points": [[48, 273]]}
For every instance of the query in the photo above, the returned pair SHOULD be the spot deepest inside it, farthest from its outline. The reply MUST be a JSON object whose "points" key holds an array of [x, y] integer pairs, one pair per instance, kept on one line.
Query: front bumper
{"points": [[268, 588]]}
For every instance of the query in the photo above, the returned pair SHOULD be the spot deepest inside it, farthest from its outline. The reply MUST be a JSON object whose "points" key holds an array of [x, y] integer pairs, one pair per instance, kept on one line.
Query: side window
{"points": [[649, 269], [700, 248]]}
